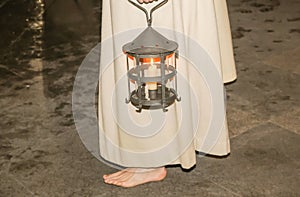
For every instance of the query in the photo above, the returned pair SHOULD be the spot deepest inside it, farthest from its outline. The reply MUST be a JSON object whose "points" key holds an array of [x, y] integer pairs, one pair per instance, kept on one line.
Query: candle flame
{"points": [[151, 61]]}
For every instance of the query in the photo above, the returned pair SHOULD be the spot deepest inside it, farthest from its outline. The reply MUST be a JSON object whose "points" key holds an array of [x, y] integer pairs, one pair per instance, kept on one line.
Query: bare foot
{"points": [[131, 177]]}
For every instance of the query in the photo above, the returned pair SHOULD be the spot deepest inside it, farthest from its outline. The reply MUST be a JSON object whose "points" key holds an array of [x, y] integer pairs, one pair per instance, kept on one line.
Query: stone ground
{"points": [[41, 154]]}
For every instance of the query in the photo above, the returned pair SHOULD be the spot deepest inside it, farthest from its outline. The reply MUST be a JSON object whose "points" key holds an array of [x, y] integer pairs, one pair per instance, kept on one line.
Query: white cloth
{"points": [[207, 23]]}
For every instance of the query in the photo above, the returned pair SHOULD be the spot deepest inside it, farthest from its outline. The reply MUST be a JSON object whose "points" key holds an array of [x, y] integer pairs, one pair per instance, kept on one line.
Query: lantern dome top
{"points": [[150, 42]]}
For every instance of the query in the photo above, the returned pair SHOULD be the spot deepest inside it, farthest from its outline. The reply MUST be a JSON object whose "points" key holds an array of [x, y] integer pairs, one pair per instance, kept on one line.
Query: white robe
{"points": [[181, 131]]}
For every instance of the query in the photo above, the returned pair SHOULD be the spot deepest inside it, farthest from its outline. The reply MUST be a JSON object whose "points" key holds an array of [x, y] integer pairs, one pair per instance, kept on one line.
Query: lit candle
{"points": [[152, 73]]}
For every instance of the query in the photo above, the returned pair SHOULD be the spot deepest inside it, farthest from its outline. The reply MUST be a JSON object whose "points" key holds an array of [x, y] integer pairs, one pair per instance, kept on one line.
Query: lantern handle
{"points": [[149, 16]]}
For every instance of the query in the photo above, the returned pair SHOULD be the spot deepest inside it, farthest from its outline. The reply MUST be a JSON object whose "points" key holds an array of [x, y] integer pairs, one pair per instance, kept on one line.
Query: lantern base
{"points": [[155, 101]]}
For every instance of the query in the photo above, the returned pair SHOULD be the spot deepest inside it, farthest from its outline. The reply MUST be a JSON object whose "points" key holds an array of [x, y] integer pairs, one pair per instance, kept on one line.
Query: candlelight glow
{"points": [[152, 73]]}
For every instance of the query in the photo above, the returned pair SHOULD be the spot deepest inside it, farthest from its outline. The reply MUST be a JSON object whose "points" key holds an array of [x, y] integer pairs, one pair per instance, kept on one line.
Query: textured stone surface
{"points": [[263, 162]]}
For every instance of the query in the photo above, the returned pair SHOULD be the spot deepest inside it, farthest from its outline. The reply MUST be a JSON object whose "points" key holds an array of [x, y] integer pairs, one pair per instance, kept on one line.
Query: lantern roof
{"points": [[150, 42]]}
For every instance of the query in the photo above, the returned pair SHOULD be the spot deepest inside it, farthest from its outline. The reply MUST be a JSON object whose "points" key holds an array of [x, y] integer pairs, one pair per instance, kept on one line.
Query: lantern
{"points": [[151, 68]]}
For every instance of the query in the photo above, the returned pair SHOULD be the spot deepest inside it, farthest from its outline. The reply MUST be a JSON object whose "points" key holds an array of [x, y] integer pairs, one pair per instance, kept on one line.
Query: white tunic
{"points": [[198, 122]]}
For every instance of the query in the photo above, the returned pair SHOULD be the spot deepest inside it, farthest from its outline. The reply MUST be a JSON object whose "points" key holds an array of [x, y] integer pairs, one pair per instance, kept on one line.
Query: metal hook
{"points": [[149, 18]]}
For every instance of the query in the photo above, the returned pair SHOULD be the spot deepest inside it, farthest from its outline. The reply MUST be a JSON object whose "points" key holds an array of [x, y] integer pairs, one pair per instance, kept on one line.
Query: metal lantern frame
{"points": [[144, 51]]}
